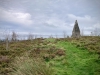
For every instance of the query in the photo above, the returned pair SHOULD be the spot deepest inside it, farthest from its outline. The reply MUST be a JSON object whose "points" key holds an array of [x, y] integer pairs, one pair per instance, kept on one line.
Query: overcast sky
{"points": [[49, 16]]}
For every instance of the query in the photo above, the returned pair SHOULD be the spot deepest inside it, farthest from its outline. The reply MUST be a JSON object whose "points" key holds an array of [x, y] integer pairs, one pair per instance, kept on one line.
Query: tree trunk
{"points": [[7, 44]]}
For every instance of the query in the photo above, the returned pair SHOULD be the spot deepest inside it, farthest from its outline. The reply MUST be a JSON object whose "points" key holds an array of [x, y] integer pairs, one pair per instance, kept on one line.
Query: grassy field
{"points": [[70, 56], [80, 62]]}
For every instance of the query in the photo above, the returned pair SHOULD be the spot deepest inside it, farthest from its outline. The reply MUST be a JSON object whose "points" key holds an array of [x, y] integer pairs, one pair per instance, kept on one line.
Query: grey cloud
{"points": [[51, 16]]}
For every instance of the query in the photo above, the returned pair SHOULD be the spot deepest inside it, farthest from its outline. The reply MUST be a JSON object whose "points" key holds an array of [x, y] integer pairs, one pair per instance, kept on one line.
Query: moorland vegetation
{"points": [[51, 56]]}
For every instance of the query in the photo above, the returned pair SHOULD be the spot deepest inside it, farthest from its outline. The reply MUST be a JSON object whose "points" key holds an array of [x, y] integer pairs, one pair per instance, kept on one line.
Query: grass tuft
{"points": [[28, 66]]}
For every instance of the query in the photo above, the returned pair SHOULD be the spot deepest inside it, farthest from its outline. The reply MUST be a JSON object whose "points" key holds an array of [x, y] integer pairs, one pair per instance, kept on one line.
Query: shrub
{"points": [[4, 59], [46, 57], [52, 56], [78, 45], [60, 52], [5, 52]]}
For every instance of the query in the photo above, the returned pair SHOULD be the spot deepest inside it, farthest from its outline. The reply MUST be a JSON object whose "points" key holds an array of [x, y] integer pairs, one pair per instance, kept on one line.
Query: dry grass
{"points": [[26, 65], [42, 49]]}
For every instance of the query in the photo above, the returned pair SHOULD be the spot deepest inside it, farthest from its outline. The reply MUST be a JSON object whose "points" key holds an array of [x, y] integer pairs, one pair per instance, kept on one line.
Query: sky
{"points": [[49, 17]]}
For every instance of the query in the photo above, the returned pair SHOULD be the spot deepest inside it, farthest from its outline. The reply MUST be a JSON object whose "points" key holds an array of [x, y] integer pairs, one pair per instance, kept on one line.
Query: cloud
{"points": [[49, 16], [15, 17], [85, 18], [55, 22], [85, 22], [97, 25]]}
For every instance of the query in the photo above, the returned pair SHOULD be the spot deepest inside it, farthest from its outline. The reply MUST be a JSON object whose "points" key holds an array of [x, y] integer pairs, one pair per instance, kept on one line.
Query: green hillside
{"points": [[65, 56]]}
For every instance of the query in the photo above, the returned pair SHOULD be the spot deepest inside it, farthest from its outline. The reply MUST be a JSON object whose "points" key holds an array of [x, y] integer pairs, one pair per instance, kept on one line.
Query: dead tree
{"points": [[14, 36], [30, 36], [95, 32], [82, 32], [6, 34], [64, 34]]}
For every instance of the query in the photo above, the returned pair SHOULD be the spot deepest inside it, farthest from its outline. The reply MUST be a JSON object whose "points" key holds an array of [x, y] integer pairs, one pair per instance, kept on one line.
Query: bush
{"points": [[4, 59], [60, 52], [5, 52], [46, 57]]}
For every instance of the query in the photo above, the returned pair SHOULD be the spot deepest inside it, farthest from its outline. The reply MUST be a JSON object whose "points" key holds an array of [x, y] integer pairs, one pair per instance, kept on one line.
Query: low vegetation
{"points": [[64, 56]]}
